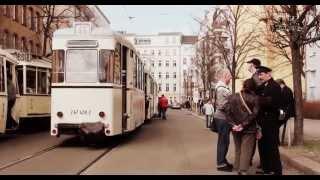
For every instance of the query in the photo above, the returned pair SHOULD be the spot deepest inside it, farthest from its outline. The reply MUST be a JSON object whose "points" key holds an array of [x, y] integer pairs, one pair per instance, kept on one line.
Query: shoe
{"points": [[242, 173], [225, 168], [230, 165]]}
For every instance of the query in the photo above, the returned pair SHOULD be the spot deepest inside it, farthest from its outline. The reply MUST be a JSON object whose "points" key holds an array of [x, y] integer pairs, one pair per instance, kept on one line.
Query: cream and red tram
{"points": [[33, 78], [97, 81]]}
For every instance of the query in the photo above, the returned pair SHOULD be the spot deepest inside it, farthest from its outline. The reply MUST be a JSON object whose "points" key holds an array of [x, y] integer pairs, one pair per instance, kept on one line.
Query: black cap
{"points": [[255, 62], [264, 69]]}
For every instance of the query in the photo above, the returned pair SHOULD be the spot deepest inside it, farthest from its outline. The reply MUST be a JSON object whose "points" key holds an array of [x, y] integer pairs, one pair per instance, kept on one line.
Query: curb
{"points": [[303, 164]]}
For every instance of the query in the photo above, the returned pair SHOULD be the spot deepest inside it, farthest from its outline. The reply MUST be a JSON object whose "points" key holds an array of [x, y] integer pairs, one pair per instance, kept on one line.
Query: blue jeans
{"points": [[223, 141]]}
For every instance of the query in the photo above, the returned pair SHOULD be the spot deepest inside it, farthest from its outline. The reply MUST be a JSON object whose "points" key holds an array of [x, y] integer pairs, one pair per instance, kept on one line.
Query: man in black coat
{"points": [[270, 101], [287, 104]]}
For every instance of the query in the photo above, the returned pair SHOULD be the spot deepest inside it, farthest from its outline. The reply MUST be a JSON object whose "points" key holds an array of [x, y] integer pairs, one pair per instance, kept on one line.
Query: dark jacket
{"points": [[270, 102], [287, 102], [236, 113]]}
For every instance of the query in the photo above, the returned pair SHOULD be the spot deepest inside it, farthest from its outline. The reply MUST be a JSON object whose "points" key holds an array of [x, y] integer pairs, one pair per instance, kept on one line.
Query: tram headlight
{"points": [[102, 114], [59, 114]]}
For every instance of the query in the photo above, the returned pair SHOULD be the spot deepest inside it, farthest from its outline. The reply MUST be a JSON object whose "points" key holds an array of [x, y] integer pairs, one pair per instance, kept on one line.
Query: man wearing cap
{"points": [[268, 120]]}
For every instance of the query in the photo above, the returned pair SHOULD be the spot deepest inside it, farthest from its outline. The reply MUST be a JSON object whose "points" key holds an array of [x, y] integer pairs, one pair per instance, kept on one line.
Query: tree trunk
{"points": [[296, 71]]}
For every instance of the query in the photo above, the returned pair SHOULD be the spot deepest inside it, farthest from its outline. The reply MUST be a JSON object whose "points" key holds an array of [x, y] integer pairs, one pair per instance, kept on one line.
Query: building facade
{"points": [[165, 55], [22, 26]]}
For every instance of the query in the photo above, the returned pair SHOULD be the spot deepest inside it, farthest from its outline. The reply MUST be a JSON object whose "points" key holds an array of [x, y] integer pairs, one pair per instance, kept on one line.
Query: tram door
{"points": [[3, 98], [10, 68], [124, 87]]}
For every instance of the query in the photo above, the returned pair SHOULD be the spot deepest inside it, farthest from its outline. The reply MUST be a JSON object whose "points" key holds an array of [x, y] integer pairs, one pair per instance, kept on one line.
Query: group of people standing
{"points": [[252, 115]]}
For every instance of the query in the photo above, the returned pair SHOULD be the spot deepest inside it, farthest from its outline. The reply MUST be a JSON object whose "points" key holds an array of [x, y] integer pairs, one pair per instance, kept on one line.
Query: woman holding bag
{"points": [[241, 111]]}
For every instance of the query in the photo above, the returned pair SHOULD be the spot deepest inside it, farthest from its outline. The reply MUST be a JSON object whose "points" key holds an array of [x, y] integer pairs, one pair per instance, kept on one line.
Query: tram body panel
{"points": [[83, 105], [3, 112], [29, 106]]}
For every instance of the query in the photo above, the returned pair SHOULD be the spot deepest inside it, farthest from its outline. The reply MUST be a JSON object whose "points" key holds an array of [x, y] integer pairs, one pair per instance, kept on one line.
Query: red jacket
{"points": [[163, 102]]}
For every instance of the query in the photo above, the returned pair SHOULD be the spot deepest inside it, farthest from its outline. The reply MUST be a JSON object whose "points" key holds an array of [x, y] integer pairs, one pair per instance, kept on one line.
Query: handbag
{"points": [[213, 125]]}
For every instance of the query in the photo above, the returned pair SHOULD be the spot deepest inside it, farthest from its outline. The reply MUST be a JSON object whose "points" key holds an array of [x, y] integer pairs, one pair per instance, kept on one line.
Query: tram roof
{"points": [[9, 57], [95, 33], [45, 63]]}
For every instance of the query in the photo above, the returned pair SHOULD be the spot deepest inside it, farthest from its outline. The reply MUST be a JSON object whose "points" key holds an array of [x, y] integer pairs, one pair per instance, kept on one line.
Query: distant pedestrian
{"points": [[208, 111], [270, 102], [222, 92], [159, 107], [241, 111], [163, 106]]}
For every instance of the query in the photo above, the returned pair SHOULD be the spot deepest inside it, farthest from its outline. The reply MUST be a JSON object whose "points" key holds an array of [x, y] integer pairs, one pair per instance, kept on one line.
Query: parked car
{"points": [[176, 105]]}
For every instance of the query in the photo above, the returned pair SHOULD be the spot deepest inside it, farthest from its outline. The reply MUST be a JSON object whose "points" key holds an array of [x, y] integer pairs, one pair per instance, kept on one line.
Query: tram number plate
{"points": [[75, 112]]}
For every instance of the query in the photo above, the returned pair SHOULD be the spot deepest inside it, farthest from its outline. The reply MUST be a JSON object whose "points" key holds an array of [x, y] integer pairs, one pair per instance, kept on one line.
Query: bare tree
{"points": [[206, 52], [293, 26], [240, 42], [52, 15]]}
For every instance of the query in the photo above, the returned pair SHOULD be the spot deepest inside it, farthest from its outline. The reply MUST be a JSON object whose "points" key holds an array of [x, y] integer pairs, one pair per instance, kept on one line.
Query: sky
{"points": [[151, 19]]}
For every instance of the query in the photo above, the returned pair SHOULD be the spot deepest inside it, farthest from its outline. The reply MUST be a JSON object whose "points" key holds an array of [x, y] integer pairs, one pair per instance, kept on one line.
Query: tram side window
{"points": [[58, 66], [106, 66], [42, 81], [135, 71], [20, 78], [2, 88], [117, 65], [31, 80]]}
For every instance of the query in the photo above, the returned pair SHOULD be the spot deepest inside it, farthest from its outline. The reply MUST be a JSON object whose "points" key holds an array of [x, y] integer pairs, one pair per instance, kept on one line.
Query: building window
{"points": [[167, 87], [167, 75], [15, 12], [159, 63], [174, 87], [6, 39], [38, 49], [152, 74], [8, 11], [160, 87], [174, 64], [152, 63], [167, 63], [174, 75], [159, 53], [14, 41], [152, 51], [159, 75], [24, 15], [24, 44], [167, 52], [184, 73], [173, 40], [31, 15], [31, 48], [184, 60], [166, 40]]}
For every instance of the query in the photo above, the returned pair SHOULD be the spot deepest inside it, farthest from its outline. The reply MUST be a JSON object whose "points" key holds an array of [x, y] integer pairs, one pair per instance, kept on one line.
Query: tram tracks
{"points": [[93, 156]]}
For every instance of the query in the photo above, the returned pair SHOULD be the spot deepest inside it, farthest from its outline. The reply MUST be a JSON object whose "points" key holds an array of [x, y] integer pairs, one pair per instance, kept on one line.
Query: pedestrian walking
{"points": [[241, 111], [268, 145], [222, 92], [208, 110], [163, 106]]}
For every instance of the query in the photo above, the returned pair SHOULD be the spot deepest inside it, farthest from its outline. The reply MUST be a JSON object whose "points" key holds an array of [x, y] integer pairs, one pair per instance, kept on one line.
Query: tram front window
{"points": [[81, 66], [106, 66], [31, 80], [2, 88], [42, 81], [58, 66]]}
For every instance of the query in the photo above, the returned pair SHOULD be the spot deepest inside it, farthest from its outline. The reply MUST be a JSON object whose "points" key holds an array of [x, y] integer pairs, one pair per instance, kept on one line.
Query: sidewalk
{"points": [[304, 158], [299, 157]]}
